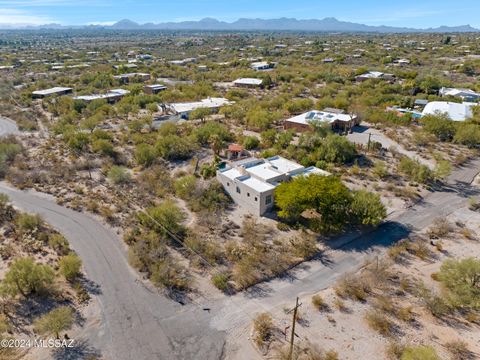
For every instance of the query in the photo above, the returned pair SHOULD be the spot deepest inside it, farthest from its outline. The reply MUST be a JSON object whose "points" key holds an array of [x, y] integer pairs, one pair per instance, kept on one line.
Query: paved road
{"points": [[138, 323], [7, 127], [323, 272]]}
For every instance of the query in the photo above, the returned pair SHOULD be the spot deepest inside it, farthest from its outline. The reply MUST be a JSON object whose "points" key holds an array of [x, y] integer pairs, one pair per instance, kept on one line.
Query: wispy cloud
{"points": [[15, 16]]}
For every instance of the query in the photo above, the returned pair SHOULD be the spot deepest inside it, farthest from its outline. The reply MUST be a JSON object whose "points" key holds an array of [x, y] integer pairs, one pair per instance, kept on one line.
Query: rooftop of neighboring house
{"points": [[455, 111], [248, 81], [210, 102], [52, 91], [458, 92], [321, 116]]}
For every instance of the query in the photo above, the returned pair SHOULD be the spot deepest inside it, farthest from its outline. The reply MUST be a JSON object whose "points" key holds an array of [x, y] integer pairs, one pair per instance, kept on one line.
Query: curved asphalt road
{"points": [[138, 323], [7, 127]]}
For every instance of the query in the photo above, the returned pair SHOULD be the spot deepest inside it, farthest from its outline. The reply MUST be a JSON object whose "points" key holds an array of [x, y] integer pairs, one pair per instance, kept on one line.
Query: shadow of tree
{"points": [[81, 350]]}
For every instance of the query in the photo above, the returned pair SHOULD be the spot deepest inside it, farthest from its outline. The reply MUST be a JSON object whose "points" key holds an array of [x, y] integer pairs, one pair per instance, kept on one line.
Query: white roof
{"points": [[210, 103], [260, 64], [458, 92], [322, 116], [51, 91], [455, 111], [130, 75], [110, 94], [256, 184], [248, 81], [283, 165]]}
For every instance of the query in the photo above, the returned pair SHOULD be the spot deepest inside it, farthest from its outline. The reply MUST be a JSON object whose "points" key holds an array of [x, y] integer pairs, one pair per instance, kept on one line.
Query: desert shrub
{"points": [[59, 243], [263, 327], [251, 142], [145, 154], [220, 280], [380, 170], [414, 170], [367, 208], [70, 266], [353, 287], [28, 222], [170, 275], [165, 219], [379, 323], [174, 147], [119, 175], [419, 353], [458, 350], [318, 302]]}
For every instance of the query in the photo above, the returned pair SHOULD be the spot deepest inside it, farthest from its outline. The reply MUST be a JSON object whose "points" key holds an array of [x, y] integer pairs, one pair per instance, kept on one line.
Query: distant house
{"points": [[262, 65], [112, 96], [374, 75], [328, 60], [126, 78], [235, 152], [251, 182], [304, 122], [401, 62], [404, 111], [57, 91], [465, 94], [248, 82], [184, 109], [126, 66], [154, 89], [420, 103], [455, 111]]}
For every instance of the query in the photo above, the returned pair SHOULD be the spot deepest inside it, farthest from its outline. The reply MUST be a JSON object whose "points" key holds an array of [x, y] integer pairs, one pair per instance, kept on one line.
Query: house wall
{"points": [[249, 199]]}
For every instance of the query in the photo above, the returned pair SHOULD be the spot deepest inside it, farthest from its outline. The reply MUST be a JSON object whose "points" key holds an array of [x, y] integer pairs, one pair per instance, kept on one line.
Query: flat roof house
{"points": [[126, 78], [464, 94], [374, 75], [455, 111], [112, 96], [184, 109], [248, 82], [262, 65], [303, 122], [251, 182], [58, 91], [154, 89]]}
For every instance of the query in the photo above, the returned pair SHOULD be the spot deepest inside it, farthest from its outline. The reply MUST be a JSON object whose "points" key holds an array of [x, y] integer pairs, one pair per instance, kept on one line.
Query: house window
{"points": [[248, 194], [256, 198], [228, 184], [238, 190], [268, 200]]}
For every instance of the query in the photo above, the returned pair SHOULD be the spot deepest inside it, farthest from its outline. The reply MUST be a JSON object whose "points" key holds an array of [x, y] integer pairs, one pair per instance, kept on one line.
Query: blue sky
{"points": [[412, 13]]}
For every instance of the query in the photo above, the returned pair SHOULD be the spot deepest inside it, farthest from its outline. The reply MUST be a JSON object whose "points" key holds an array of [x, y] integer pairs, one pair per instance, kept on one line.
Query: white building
{"points": [[374, 75], [251, 182], [262, 65], [58, 91], [248, 82], [464, 94], [184, 109], [304, 122], [111, 96], [455, 111]]}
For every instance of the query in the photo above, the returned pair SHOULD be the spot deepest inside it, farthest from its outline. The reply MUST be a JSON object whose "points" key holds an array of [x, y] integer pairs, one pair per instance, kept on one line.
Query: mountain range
{"points": [[328, 24]]}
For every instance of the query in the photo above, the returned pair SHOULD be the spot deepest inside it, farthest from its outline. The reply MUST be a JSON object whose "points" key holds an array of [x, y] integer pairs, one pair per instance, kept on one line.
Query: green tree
{"points": [[54, 322], [251, 142], [174, 147], [25, 276], [70, 266], [325, 195], [336, 149], [367, 208]]}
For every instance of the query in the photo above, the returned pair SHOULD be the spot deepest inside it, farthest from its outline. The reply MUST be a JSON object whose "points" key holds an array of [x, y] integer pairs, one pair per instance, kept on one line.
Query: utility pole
{"points": [[368, 145], [292, 336]]}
